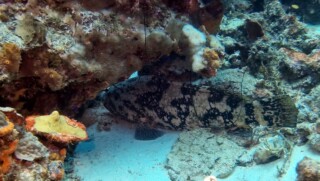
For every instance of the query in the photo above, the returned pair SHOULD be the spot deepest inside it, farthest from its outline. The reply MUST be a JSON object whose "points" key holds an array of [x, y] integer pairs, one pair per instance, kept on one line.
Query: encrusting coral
{"points": [[10, 58], [13, 116], [6, 126], [58, 154], [57, 128], [44, 66], [213, 62], [5, 157]]}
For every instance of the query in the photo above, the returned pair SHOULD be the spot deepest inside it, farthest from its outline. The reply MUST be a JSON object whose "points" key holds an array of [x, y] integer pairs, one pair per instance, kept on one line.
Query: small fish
{"points": [[230, 100], [295, 6]]}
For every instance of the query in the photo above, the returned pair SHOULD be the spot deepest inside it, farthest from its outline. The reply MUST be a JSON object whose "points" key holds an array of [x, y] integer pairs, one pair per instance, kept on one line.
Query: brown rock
{"points": [[308, 170]]}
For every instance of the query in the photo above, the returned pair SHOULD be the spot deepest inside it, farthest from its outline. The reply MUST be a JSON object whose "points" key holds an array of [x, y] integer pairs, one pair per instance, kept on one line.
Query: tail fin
{"points": [[288, 111], [280, 111]]}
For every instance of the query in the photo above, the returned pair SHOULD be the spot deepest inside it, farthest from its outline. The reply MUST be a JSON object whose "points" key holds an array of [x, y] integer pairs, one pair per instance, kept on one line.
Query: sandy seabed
{"points": [[117, 156]]}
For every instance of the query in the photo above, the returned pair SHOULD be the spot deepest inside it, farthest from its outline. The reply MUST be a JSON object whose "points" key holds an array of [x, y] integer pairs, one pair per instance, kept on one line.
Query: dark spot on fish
{"points": [[270, 111], [210, 115], [249, 110], [228, 119], [215, 95], [131, 107], [120, 108], [116, 96], [233, 101], [160, 112], [110, 106], [149, 99], [188, 89], [131, 80]]}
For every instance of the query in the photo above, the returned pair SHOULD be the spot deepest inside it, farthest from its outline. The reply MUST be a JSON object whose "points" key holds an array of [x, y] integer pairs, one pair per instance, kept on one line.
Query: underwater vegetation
{"points": [[212, 69]]}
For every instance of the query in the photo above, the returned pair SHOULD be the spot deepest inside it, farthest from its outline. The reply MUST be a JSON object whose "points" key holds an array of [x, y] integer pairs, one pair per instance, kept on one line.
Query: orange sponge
{"points": [[5, 157], [7, 127]]}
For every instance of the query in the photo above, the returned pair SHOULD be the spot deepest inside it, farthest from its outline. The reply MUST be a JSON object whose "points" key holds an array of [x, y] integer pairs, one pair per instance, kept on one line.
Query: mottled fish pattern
{"points": [[230, 100]]}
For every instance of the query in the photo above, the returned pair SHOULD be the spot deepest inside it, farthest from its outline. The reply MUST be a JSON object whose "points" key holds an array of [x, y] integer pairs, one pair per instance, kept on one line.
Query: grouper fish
{"points": [[233, 99]]}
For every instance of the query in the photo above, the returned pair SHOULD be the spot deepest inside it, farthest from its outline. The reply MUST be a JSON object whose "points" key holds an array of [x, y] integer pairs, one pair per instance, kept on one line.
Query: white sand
{"points": [[269, 172], [314, 28], [116, 156]]}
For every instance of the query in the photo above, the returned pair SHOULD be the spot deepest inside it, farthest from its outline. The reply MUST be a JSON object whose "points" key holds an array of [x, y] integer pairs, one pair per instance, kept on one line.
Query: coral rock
{"points": [[5, 157], [210, 16], [57, 127], [315, 142], [9, 59], [12, 115], [33, 172], [56, 170], [254, 30], [197, 154], [271, 149], [30, 148], [6, 126], [296, 57], [308, 170]]}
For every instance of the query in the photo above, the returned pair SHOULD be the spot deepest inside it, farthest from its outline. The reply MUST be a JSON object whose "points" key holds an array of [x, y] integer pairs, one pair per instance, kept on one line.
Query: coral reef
{"points": [[278, 57], [61, 46], [24, 156], [192, 43], [56, 55], [50, 49], [275, 46]]}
